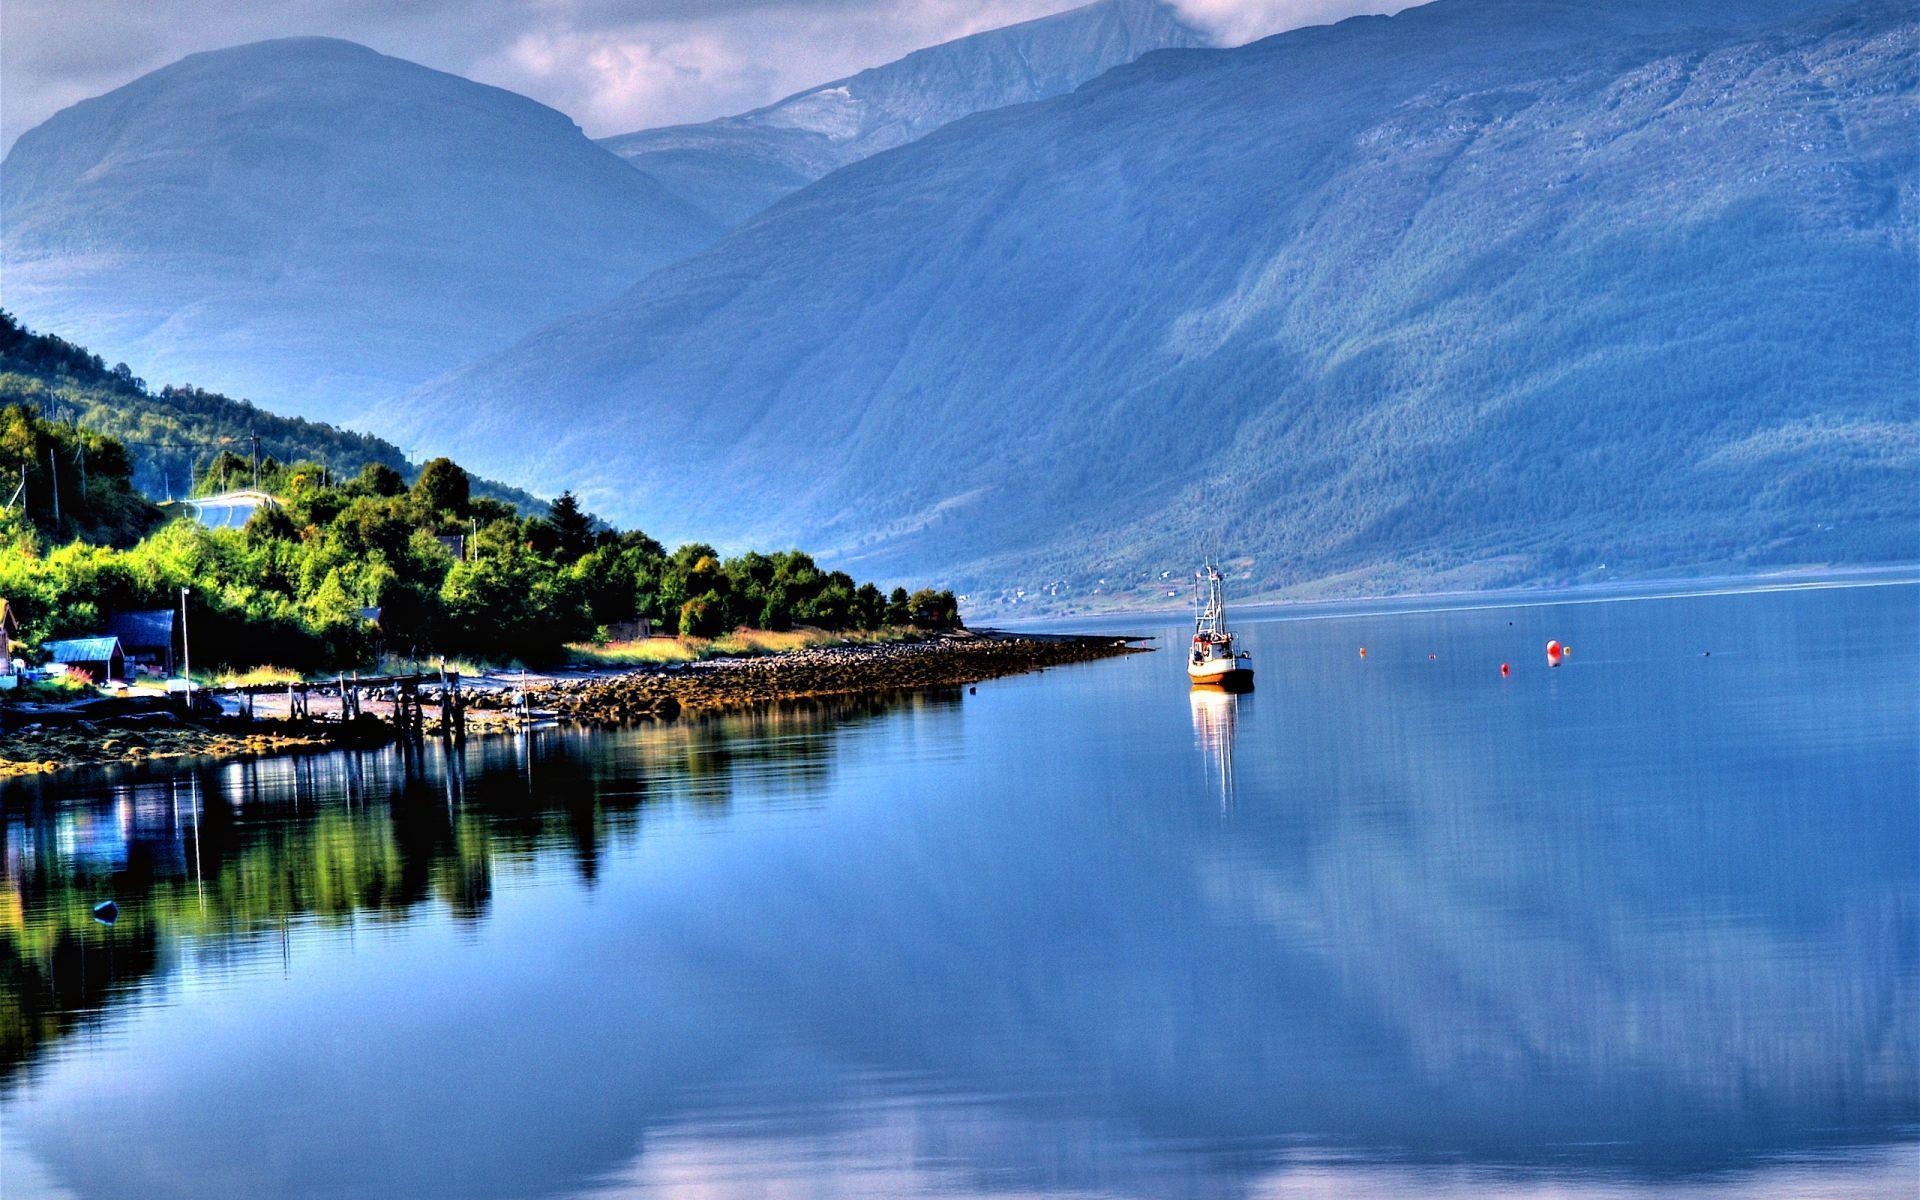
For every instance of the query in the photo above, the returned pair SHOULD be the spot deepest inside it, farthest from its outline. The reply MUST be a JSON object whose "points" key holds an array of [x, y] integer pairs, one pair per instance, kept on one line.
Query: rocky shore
{"points": [[38, 743], [36, 749], [729, 683]]}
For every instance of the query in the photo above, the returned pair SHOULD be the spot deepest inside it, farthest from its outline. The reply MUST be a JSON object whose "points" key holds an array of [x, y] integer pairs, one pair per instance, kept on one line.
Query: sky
{"points": [[612, 65]]}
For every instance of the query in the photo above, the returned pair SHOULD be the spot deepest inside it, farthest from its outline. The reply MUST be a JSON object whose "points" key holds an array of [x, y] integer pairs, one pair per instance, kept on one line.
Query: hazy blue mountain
{"points": [[1487, 291], [312, 222], [736, 166]]}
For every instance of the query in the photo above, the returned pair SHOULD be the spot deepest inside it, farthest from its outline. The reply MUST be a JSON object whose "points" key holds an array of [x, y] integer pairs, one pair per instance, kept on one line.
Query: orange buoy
{"points": [[1505, 670], [1554, 653], [1363, 652]]}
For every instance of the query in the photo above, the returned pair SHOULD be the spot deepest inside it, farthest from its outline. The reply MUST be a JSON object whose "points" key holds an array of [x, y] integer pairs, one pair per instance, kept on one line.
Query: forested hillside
{"points": [[1490, 291], [170, 435]]}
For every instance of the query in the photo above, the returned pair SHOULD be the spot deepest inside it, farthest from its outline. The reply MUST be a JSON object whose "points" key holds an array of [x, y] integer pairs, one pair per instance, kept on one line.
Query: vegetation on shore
{"points": [[349, 565], [170, 435]]}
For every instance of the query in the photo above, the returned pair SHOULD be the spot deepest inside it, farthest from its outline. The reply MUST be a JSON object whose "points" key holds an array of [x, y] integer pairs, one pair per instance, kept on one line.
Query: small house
{"points": [[455, 544], [147, 638], [9, 642], [100, 657]]}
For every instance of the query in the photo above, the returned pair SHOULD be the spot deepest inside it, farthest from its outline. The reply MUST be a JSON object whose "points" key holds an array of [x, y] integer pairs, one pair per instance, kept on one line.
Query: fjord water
{"points": [[1643, 925]]}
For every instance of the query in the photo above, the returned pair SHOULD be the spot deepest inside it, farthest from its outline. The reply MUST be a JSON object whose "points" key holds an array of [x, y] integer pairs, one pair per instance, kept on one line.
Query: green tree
{"points": [[572, 527], [442, 492]]}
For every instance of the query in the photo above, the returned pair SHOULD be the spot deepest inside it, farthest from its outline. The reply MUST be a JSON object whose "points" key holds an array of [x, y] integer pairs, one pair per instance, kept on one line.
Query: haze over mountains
{"points": [[1488, 291], [316, 225], [319, 226], [736, 166]]}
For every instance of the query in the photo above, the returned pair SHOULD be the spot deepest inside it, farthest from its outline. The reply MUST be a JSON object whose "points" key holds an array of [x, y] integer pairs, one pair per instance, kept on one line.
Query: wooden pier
{"points": [[407, 697]]}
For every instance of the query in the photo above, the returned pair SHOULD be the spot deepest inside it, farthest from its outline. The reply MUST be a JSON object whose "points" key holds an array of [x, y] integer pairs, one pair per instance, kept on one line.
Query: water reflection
{"points": [[229, 850], [1648, 924], [1216, 715]]}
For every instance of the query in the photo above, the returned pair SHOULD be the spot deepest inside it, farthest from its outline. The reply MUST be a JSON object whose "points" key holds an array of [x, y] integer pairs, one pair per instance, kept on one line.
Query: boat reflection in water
{"points": [[1216, 717]]}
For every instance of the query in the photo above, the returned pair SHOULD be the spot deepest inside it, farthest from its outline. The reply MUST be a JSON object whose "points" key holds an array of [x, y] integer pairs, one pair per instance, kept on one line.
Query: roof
{"points": [[84, 650], [140, 629]]}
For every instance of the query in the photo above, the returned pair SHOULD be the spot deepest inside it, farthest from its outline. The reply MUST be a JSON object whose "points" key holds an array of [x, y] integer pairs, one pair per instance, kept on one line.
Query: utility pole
{"points": [[186, 656], [255, 439], [53, 468]]}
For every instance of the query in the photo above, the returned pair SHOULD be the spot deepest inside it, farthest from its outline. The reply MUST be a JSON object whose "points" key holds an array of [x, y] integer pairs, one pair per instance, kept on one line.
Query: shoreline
{"points": [[596, 698], [1270, 606]]}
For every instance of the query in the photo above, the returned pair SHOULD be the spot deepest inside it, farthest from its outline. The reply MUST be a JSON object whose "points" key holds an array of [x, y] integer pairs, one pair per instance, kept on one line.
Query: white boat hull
{"points": [[1224, 673]]}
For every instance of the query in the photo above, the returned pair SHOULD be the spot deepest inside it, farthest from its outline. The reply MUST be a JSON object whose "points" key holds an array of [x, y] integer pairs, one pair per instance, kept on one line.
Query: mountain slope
{"points": [[172, 434], [308, 220], [1489, 291], [734, 167]]}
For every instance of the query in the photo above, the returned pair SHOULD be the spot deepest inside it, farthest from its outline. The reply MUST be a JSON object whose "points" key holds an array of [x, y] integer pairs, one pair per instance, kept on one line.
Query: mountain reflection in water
{"points": [[1644, 924]]}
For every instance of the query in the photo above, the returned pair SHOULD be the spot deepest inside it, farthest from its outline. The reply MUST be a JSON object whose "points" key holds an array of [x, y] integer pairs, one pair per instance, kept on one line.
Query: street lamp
{"points": [[186, 656]]}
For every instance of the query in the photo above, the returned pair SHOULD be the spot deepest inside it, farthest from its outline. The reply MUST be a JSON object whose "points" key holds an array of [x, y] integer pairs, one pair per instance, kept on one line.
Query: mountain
{"points": [[1490, 291], [732, 168], [172, 434], [311, 221]]}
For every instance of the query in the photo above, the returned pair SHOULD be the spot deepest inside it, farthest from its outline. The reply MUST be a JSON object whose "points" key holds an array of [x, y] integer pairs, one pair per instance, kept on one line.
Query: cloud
{"points": [[612, 65], [1237, 22]]}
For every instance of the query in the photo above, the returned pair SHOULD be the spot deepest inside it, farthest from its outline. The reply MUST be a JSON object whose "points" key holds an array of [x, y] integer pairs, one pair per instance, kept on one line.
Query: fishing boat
{"points": [[1212, 661]]}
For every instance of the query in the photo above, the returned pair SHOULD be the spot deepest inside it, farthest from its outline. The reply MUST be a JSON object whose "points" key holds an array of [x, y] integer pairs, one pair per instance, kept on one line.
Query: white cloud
{"points": [[612, 65], [1237, 22]]}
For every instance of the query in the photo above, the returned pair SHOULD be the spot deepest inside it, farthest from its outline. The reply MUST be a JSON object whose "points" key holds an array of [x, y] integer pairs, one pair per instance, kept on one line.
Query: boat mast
{"points": [[1212, 604]]}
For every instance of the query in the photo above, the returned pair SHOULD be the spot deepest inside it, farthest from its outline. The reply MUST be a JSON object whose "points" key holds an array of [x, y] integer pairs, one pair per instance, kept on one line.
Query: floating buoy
{"points": [[106, 912], [1505, 670], [1554, 653], [1433, 657], [1363, 652]]}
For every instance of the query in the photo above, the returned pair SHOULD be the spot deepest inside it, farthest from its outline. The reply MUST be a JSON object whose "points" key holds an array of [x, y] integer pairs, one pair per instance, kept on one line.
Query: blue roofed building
{"points": [[100, 657], [147, 637]]}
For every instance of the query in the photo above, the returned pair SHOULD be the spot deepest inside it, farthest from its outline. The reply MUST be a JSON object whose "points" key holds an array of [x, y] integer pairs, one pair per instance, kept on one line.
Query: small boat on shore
{"points": [[1212, 660]]}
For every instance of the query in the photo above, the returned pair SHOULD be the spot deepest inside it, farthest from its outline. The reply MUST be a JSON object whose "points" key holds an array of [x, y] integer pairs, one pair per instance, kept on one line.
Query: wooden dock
{"points": [[355, 697]]}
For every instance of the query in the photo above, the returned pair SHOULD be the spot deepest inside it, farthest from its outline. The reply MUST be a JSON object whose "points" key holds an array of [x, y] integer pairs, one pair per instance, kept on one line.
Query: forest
{"points": [[359, 556]]}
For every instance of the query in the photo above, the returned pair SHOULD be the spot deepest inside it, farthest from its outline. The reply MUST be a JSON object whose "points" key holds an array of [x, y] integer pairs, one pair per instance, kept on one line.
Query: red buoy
{"points": [[1363, 652], [1505, 670], [1554, 654]]}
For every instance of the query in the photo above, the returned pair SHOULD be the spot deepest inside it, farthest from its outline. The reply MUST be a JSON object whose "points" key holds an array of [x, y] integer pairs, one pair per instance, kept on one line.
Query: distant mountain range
{"points": [[317, 225], [1490, 291], [732, 168], [314, 224]]}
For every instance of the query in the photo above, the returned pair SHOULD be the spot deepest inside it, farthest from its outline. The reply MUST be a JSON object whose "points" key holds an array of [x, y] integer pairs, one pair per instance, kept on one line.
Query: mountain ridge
{"points": [[736, 166], [1322, 300], [243, 217]]}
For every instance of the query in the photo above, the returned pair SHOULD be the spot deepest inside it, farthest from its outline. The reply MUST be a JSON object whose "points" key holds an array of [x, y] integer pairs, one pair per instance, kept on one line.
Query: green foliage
{"points": [[66, 482], [295, 587], [443, 491], [173, 435]]}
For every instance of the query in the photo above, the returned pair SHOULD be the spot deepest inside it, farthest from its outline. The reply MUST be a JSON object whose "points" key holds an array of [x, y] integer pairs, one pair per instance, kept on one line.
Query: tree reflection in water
{"points": [[230, 852]]}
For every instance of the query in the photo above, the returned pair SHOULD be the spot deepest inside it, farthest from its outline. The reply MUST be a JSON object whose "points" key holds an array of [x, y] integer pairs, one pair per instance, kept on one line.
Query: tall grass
{"points": [[741, 643]]}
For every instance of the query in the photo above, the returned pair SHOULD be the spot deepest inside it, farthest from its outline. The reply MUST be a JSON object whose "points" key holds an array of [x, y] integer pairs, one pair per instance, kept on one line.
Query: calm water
{"points": [[1645, 925]]}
